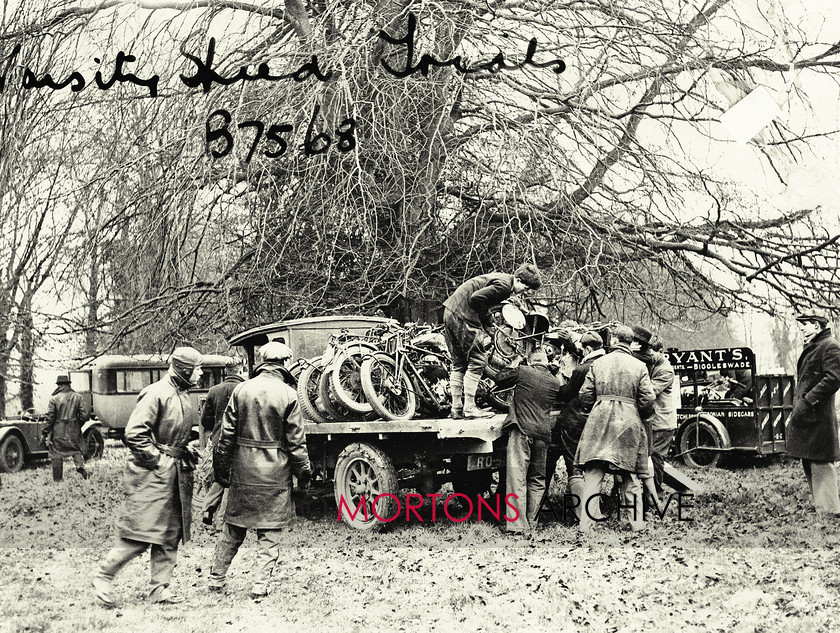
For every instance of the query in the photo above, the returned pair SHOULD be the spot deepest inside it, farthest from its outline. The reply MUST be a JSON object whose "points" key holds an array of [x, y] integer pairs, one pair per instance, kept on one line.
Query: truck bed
{"points": [[486, 430]]}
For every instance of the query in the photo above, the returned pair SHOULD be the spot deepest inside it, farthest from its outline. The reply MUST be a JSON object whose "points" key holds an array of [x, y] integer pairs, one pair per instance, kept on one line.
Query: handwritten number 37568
{"points": [[312, 144]]}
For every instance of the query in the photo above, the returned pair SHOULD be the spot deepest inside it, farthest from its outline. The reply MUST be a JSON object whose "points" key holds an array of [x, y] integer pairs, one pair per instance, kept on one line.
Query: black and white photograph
{"points": [[419, 315]]}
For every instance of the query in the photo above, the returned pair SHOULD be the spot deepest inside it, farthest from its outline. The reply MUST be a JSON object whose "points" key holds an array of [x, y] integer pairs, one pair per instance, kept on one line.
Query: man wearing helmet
{"points": [[156, 512]]}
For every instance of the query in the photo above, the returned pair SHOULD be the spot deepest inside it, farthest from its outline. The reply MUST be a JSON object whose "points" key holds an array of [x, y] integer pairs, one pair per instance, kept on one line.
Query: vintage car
{"points": [[110, 384], [20, 440]]}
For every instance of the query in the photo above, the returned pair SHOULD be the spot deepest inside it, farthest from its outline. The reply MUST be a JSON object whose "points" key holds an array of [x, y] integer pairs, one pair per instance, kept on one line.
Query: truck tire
{"points": [[346, 381], [94, 443], [307, 390], [365, 470], [11, 454], [327, 401], [392, 399], [694, 435]]}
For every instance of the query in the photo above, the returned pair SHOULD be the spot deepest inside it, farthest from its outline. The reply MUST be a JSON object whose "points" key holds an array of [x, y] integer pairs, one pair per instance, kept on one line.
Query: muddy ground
{"points": [[749, 556]]}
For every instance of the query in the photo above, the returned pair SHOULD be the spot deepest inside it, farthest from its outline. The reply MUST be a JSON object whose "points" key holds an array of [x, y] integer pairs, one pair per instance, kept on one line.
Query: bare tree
{"points": [[443, 166]]}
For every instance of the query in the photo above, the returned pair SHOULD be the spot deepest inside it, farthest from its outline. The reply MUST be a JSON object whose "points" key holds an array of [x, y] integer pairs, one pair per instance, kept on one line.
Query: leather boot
{"points": [[58, 470], [471, 411]]}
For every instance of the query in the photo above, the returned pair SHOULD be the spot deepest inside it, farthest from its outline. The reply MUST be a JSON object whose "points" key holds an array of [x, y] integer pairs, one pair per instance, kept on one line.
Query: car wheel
{"points": [[94, 444], [694, 437], [363, 470], [11, 454]]}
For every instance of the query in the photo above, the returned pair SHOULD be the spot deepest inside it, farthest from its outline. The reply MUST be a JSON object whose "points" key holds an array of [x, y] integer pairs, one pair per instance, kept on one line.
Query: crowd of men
{"points": [[617, 415], [618, 408]]}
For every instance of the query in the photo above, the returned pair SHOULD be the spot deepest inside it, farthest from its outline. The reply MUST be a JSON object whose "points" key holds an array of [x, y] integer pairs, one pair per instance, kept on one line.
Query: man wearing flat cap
{"points": [[63, 434], [261, 445], [812, 428], [465, 319], [156, 512]]}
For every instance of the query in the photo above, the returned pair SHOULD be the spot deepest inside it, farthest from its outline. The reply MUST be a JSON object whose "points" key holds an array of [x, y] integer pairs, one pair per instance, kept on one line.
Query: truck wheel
{"points": [[11, 454], [307, 390], [391, 398], [365, 470], [94, 444], [346, 382], [693, 437]]}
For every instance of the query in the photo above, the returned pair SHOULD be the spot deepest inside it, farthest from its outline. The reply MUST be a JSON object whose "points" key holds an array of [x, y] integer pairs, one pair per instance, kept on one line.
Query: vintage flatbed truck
{"points": [[374, 457]]}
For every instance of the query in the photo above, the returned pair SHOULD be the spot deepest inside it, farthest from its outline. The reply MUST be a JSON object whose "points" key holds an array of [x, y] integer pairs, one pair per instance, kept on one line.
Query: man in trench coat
{"points": [[158, 480], [262, 443], [63, 434], [620, 393], [812, 430]]}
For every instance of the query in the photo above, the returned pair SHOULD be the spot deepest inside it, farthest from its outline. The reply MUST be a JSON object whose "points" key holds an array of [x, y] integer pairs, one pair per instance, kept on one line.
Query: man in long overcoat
{"points": [[212, 416], [812, 430], [261, 445], [158, 480], [66, 414], [619, 391], [528, 424], [466, 315]]}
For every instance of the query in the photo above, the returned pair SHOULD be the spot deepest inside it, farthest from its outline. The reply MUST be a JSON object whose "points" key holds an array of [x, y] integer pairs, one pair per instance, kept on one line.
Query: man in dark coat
{"points": [[63, 434], [211, 421], [572, 419], [812, 429], [529, 426], [465, 319], [661, 424], [261, 445], [158, 480]]}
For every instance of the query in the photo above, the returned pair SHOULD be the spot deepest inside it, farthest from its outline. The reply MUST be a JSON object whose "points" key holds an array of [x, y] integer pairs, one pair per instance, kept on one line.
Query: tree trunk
{"points": [[93, 303], [27, 354]]}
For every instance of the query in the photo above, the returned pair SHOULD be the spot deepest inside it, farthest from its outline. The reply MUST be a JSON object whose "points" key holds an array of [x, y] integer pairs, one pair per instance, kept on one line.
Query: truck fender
{"points": [[714, 422], [91, 424]]}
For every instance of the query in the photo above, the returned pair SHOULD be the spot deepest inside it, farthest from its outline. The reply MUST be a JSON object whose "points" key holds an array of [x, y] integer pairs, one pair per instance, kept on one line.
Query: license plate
{"points": [[479, 462]]}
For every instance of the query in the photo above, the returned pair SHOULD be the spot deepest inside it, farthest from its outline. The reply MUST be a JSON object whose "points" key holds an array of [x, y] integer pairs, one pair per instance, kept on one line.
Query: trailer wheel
{"points": [[391, 398], [695, 435], [363, 470], [11, 454], [94, 443], [307, 390]]}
